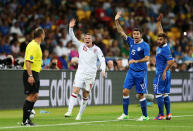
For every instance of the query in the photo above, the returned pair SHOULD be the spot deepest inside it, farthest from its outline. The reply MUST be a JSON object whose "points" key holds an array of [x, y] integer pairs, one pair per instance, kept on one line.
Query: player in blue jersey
{"points": [[164, 61], [137, 74]]}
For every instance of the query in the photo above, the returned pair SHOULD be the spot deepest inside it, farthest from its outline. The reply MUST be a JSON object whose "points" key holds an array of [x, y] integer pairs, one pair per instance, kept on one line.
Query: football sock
{"points": [[83, 104], [167, 103], [125, 104], [32, 106], [72, 102], [27, 107], [160, 103], [143, 103]]}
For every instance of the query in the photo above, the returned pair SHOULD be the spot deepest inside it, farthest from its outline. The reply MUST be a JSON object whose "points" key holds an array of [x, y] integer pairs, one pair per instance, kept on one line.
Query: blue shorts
{"points": [[162, 86], [139, 79]]}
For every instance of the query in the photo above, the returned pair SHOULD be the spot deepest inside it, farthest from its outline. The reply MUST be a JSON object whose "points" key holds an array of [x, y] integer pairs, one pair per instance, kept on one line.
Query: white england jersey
{"points": [[87, 64]]}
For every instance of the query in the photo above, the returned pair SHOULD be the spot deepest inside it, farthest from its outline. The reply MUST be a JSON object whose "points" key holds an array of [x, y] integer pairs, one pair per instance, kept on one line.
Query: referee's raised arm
{"points": [[31, 81]]}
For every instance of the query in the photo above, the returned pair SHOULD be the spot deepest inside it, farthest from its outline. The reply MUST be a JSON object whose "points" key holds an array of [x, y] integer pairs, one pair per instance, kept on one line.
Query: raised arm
{"points": [[73, 37], [159, 26], [118, 26]]}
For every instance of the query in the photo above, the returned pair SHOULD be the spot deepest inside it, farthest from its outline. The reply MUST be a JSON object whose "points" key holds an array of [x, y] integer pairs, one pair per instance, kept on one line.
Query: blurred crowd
{"points": [[20, 17]]}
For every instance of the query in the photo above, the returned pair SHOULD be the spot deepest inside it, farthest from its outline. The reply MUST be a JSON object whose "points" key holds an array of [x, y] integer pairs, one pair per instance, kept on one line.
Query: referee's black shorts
{"points": [[31, 89]]}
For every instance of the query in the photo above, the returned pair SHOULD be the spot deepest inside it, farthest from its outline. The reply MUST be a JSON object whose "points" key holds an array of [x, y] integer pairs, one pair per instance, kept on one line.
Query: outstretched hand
{"points": [[72, 23], [159, 18], [118, 15]]}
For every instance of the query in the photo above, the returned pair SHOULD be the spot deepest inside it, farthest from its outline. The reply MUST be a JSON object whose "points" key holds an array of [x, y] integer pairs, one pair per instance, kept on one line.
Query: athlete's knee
{"points": [[140, 95], [36, 97], [76, 90], [165, 95], [126, 92], [85, 94]]}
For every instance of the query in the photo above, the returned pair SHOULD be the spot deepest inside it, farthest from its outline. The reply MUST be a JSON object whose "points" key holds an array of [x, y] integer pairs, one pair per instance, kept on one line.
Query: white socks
{"points": [[83, 104], [72, 102]]}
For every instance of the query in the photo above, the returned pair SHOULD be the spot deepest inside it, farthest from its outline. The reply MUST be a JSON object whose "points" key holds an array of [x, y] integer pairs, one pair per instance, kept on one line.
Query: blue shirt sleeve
{"points": [[146, 50], [167, 54], [129, 41]]}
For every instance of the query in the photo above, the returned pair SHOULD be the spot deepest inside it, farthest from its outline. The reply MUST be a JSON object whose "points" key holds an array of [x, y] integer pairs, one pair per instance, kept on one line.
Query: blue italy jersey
{"points": [[138, 51], [163, 55]]}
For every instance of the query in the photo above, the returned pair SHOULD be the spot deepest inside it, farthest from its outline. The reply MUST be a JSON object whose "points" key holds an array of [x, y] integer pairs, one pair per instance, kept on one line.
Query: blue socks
{"points": [[125, 104], [160, 103], [167, 104], [143, 103]]}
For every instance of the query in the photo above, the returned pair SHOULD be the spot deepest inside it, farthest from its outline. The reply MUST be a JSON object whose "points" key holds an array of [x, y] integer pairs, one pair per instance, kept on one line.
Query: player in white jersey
{"points": [[87, 69]]}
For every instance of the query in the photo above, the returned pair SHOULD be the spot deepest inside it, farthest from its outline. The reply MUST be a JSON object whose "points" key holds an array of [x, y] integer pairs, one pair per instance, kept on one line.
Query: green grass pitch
{"points": [[101, 118]]}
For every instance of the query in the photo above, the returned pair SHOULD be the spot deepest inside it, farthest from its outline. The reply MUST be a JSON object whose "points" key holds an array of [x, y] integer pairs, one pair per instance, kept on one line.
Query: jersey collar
{"points": [[35, 42], [163, 45], [140, 41]]}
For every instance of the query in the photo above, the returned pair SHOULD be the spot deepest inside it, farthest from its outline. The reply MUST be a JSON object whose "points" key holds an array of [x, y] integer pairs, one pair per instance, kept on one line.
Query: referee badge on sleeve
{"points": [[31, 57]]}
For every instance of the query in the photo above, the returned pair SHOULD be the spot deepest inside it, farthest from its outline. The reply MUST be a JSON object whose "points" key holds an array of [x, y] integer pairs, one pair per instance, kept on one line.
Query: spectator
{"points": [[188, 57], [115, 49], [61, 50], [46, 59], [110, 65], [15, 29], [120, 65], [53, 64], [15, 48], [63, 62], [183, 67]]}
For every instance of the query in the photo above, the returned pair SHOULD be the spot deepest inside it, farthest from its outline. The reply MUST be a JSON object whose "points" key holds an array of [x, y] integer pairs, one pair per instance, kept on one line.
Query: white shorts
{"points": [[84, 81]]}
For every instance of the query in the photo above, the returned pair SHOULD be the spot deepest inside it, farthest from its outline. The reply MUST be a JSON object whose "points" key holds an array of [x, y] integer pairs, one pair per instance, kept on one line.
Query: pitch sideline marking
{"points": [[139, 125], [62, 124], [89, 122]]}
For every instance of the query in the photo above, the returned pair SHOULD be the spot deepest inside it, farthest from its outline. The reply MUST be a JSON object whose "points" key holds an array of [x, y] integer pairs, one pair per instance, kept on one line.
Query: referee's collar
{"points": [[35, 42]]}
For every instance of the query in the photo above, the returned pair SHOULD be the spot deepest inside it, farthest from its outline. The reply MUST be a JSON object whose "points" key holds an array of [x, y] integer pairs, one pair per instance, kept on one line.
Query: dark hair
{"points": [[137, 29], [163, 35], [37, 32]]}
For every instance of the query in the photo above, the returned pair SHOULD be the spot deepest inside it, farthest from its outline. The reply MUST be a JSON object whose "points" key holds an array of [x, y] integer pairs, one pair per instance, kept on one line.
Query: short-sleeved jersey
{"points": [[138, 51], [163, 55], [33, 54]]}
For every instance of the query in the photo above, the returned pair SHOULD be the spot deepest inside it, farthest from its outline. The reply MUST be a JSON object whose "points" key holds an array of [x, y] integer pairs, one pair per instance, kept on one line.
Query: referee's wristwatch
{"points": [[30, 75]]}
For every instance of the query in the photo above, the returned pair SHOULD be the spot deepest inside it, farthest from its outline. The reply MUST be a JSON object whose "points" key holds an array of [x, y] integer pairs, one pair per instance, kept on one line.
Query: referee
{"points": [[32, 67]]}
